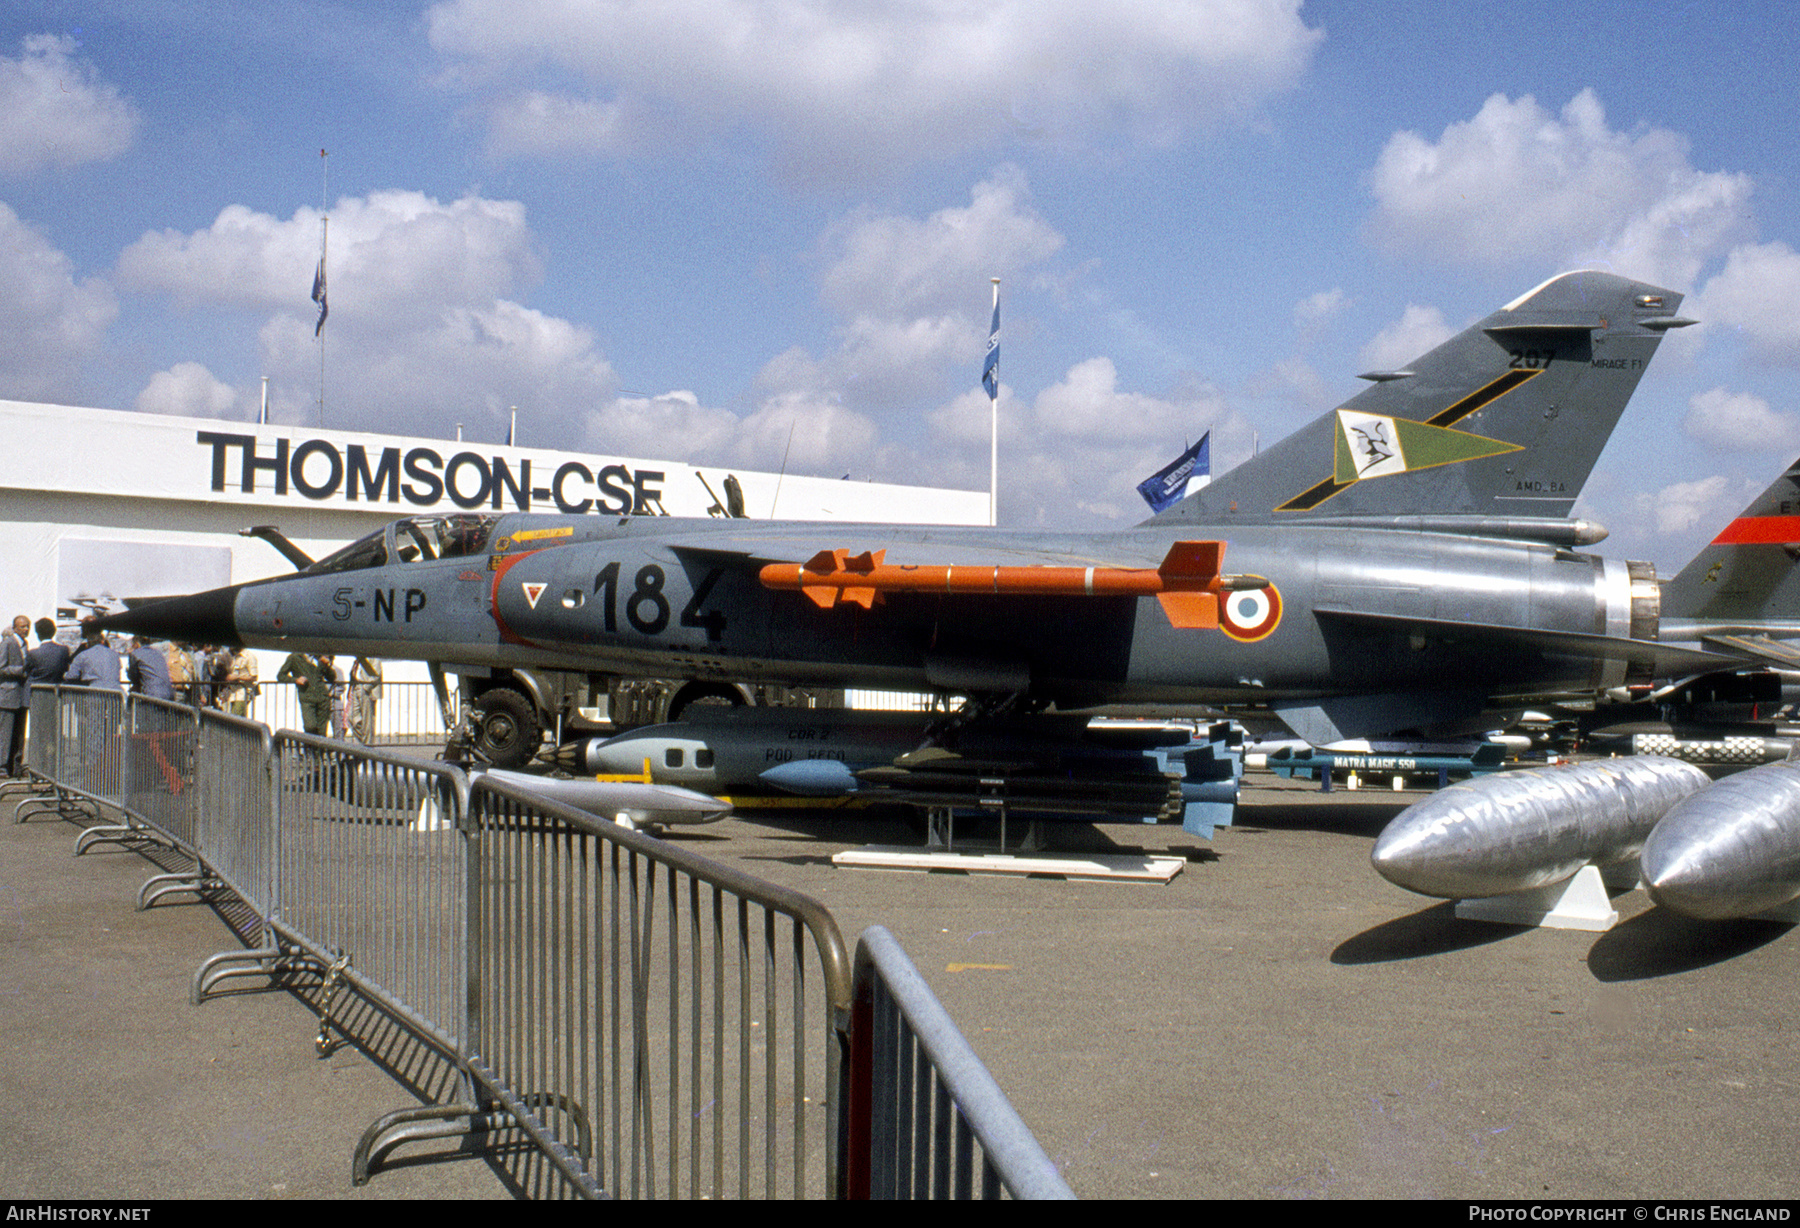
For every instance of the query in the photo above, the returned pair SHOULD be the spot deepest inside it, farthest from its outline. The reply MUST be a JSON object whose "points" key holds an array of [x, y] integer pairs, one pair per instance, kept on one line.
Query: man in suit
{"points": [[14, 697], [94, 664], [46, 664], [49, 661]]}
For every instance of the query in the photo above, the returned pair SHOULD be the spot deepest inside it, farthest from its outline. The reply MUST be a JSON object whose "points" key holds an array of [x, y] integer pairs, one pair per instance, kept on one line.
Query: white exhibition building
{"points": [[97, 505]]}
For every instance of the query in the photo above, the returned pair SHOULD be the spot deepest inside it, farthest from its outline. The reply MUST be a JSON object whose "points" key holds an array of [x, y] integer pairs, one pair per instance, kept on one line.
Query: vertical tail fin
{"points": [[1747, 574], [1505, 419]]}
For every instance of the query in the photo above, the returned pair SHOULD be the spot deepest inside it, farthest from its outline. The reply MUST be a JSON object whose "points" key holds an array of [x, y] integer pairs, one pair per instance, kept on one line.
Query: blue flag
{"points": [[1168, 485], [990, 370], [318, 296]]}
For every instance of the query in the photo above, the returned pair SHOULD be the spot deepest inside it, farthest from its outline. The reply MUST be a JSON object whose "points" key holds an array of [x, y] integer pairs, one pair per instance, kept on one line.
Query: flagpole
{"points": [[991, 377], [319, 287]]}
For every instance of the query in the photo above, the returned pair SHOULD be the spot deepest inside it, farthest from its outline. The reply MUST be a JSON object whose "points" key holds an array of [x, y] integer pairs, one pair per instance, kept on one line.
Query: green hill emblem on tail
{"points": [[1373, 446]]}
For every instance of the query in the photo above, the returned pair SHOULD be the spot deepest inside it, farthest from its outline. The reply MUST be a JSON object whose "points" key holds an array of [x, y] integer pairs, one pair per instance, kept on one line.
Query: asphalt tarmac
{"points": [[1276, 1022]]}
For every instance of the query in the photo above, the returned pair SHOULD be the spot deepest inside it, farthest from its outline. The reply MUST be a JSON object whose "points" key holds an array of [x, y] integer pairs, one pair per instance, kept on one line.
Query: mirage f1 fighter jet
{"points": [[1402, 563]]}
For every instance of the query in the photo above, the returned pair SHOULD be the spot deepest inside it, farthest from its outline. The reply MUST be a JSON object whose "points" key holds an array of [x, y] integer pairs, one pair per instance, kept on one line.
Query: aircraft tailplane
{"points": [[1506, 419]]}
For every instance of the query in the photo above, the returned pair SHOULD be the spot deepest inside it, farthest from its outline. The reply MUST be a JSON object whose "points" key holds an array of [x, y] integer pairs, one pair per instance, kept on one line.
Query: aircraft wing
{"points": [[1666, 660], [1783, 654], [912, 549]]}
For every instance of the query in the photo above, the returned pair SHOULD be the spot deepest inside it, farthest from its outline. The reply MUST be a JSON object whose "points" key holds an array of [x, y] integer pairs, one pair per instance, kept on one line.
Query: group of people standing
{"points": [[204, 677], [322, 699], [21, 667]]}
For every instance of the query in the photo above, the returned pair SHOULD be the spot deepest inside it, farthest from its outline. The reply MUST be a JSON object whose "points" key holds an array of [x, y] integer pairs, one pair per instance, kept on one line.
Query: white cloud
{"points": [[56, 111], [396, 257], [1683, 506], [1087, 403], [674, 423], [1076, 454], [423, 333], [49, 322], [847, 86], [1517, 184], [538, 124], [189, 390], [468, 366], [807, 434], [791, 431], [1666, 525], [1758, 293], [1314, 312], [1418, 331], [889, 264], [914, 295], [1739, 422]]}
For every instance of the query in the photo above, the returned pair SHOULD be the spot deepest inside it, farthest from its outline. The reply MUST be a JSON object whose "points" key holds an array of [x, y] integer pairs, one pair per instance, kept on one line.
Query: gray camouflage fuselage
{"points": [[683, 597], [1401, 562]]}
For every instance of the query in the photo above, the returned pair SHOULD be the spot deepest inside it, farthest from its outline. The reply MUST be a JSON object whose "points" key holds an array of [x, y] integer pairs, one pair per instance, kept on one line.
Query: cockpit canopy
{"points": [[416, 539]]}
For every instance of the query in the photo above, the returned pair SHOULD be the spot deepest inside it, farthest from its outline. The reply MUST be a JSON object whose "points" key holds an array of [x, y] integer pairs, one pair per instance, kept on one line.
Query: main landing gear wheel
{"points": [[507, 730]]}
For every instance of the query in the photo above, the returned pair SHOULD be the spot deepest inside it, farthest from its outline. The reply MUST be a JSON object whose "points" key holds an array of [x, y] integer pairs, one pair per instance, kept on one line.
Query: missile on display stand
{"points": [[1517, 831]]}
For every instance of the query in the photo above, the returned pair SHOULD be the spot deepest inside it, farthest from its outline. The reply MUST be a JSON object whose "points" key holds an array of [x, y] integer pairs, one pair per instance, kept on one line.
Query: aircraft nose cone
{"points": [[199, 618]]}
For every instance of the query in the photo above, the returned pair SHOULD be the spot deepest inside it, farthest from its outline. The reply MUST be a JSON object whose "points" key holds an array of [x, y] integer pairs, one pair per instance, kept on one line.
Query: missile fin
{"points": [[1191, 611], [1192, 564]]}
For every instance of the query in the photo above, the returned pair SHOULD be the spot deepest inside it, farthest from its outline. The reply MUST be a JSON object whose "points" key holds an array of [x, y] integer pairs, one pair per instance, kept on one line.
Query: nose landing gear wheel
{"points": [[507, 730]]}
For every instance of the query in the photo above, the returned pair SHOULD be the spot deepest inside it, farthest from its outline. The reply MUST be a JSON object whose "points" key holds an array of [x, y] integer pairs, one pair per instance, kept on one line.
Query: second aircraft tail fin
{"points": [[1748, 574]]}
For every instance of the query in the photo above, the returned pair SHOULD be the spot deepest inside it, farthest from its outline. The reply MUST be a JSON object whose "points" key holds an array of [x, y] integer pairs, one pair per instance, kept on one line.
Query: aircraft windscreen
{"points": [[442, 537], [370, 551]]}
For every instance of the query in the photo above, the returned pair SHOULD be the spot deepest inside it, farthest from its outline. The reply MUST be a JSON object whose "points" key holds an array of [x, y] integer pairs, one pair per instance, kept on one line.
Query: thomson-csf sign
{"points": [[423, 476], [66, 450]]}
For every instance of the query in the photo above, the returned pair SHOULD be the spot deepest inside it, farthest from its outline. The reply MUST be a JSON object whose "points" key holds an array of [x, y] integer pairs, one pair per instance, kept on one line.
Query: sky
{"points": [[761, 233]]}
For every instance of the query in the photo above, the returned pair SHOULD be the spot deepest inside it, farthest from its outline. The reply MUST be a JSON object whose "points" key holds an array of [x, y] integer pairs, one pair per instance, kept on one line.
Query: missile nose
{"points": [[1419, 852], [1677, 878], [199, 618], [1732, 850], [812, 777]]}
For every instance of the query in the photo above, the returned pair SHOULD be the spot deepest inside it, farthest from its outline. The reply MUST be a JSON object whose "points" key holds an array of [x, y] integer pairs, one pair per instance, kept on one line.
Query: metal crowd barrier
{"points": [[672, 1026], [919, 1100], [158, 789], [235, 823], [74, 745], [652, 1023], [40, 738], [372, 877], [401, 714]]}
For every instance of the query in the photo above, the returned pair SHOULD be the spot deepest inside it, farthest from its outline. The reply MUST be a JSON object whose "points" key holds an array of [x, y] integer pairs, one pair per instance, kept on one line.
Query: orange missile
{"points": [[1188, 582]]}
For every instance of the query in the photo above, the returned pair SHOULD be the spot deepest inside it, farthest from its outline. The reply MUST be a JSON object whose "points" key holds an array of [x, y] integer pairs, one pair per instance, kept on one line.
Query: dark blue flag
{"points": [[1168, 485], [318, 296], [990, 370]]}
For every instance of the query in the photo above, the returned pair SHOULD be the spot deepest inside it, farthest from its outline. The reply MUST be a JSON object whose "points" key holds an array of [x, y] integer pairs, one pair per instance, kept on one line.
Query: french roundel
{"points": [[1250, 614]]}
